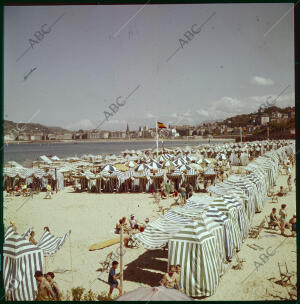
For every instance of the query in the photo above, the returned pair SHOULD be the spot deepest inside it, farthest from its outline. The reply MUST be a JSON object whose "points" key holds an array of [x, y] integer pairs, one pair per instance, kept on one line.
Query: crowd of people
{"points": [[168, 189], [281, 221]]}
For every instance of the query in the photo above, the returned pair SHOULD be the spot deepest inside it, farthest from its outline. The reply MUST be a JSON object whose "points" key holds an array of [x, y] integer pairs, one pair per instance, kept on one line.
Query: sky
{"points": [[182, 64]]}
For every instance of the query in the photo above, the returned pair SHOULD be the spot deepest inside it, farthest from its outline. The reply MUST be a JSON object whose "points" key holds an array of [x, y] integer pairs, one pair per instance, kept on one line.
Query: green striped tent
{"points": [[213, 227], [230, 211], [194, 248]]}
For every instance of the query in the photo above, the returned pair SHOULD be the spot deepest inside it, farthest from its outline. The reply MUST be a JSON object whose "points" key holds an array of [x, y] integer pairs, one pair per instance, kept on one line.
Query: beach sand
{"points": [[92, 218]]}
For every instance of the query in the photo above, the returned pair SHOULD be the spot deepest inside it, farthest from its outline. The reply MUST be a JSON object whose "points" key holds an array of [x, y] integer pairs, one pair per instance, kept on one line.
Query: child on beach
{"points": [[170, 279], [45, 292], [112, 279], [178, 272], [49, 192], [293, 222], [50, 278]]}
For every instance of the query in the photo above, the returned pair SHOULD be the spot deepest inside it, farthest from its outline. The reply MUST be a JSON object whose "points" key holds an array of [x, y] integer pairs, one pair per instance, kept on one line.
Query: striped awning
{"points": [[50, 244]]}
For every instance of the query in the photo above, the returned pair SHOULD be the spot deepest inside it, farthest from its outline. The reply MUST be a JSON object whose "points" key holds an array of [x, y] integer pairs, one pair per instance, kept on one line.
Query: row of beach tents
{"points": [[203, 235]]}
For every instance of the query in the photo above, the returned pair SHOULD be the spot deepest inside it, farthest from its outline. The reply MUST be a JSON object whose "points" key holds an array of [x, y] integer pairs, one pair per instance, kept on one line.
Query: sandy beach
{"points": [[92, 218]]}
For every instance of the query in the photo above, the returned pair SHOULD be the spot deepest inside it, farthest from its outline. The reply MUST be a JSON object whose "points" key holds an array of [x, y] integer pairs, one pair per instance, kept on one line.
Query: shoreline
{"points": [[206, 140]]}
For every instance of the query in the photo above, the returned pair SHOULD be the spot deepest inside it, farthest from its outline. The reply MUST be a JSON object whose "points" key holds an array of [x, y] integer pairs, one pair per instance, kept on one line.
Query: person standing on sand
{"points": [[172, 187], [289, 183], [183, 194], [168, 188], [45, 292], [283, 216], [112, 279]]}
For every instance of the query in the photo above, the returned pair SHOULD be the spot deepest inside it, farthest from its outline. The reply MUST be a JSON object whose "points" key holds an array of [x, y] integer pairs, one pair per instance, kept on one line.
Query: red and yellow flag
{"points": [[161, 125]]}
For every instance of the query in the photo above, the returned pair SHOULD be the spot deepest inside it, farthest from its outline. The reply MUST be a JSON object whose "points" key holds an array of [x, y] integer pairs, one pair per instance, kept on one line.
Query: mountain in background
{"points": [[10, 127]]}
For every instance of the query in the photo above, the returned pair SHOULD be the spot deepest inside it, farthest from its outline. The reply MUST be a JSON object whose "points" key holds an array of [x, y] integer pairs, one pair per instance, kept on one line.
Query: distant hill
{"points": [[245, 119], [10, 126]]}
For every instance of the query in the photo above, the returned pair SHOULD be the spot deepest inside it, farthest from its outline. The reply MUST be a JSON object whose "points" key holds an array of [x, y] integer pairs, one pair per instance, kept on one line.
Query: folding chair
{"points": [[255, 231], [285, 275], [105, 265]]}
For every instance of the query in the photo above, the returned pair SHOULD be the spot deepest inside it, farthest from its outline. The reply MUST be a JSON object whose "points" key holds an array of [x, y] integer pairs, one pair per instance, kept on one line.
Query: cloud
{"points": [[116, 121], [202, 113], [84, 124], [261, 81], [150, 115]]}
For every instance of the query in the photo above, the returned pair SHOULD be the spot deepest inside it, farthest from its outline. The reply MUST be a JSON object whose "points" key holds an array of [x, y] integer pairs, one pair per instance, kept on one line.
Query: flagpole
{"points": [[156, 141], [241, 134]]}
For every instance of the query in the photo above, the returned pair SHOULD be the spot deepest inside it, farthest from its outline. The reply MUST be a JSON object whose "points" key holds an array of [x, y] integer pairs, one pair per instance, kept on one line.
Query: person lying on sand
{"points": [[31, 239]]}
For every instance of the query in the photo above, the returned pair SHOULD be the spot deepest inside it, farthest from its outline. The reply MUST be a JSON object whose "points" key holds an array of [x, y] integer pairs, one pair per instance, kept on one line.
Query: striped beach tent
{"points": [[21, 259], [194, 248], [223, 220], [213, 227], [50, 244], [242, 218], [230, 211]]}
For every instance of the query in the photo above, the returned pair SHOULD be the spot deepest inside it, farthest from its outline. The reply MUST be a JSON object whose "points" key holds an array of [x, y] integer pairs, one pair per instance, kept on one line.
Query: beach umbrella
{"points": [[209, 171], [13, 163], [196, 167], [131, 164], [154, 294], [109, 168], [155, 165], [141, 167], [185, 168], [179, 162], [168, 164]]}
